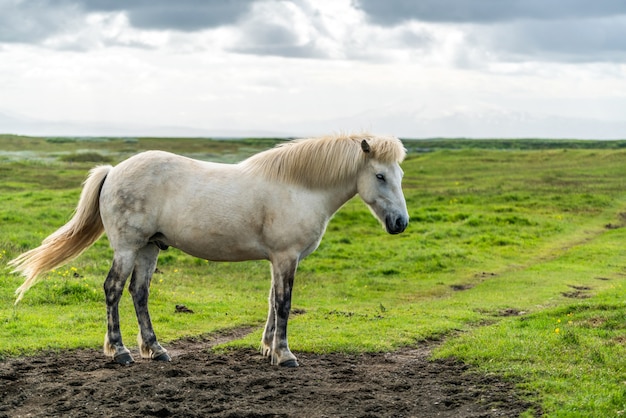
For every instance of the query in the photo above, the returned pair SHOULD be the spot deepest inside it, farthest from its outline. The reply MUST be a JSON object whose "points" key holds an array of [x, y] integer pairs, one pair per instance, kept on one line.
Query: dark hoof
{"points": [[162, 357], [289, 363], [124, 359]]}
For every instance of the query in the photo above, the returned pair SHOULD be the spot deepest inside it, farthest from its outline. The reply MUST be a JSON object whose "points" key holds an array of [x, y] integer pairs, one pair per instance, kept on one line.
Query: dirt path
{"points": [[198, 383]]}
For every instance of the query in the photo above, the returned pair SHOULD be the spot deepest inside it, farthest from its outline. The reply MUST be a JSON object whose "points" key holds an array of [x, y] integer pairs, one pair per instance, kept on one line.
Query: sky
{"points": [[413, 69]]}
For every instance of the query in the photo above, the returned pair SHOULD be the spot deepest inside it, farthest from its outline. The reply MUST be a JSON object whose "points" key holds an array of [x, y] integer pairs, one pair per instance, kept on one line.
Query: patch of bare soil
{"points": [[579, 292], [241, 383]]}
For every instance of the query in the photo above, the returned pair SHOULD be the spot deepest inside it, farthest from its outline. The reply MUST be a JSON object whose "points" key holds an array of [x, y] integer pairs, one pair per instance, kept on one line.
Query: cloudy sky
{"points": [[427, 68]]}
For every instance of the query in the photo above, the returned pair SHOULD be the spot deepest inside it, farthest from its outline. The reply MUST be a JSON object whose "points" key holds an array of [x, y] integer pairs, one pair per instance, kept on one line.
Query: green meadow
{"points": [[514, 259]]}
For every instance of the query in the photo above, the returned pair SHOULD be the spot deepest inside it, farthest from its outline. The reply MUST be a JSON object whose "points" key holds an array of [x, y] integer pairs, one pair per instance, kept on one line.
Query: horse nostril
{"points": [[401, 224]]}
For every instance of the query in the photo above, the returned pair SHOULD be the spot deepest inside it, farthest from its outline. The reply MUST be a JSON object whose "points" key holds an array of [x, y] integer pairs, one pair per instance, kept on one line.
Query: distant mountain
{"points": [[408, 120], [25, 126], [479, 121]]}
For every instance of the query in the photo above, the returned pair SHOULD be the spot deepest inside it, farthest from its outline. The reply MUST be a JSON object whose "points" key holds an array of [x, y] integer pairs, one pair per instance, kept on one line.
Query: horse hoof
{"points": [[289, 363], [124, 359], [162, 357]]}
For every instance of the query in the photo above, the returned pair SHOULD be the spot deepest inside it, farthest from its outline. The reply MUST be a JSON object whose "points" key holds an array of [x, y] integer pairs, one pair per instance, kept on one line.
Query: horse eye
{"points": [[380, 177]]}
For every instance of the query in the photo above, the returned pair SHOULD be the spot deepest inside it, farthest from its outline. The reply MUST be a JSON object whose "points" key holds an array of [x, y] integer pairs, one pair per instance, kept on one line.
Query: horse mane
{"points": [[324, 161]]}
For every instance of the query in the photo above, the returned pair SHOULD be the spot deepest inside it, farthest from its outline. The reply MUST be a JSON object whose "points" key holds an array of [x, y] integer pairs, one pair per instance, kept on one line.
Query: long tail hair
{"points": [[70, 240]]}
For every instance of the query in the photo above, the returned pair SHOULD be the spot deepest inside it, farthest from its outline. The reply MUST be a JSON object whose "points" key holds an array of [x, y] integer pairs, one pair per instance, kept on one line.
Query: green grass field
{"points": [[514, 257]]}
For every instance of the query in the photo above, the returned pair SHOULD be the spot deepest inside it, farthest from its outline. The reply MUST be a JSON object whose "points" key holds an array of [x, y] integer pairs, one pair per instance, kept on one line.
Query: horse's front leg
{"points": [[274, 340], [139, 288]]}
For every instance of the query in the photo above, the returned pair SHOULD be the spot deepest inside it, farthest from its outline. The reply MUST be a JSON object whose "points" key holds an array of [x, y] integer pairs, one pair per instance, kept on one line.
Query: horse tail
{"points": [[71, 239]]}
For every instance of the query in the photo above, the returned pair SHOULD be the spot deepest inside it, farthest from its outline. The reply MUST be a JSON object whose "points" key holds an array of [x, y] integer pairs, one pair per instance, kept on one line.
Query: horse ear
{"points": [[365, 146]]}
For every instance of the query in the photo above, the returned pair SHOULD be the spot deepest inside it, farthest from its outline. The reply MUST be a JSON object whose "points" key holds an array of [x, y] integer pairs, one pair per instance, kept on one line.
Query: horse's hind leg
{"points": [[140, 288], [270, 327], [113, 287]]}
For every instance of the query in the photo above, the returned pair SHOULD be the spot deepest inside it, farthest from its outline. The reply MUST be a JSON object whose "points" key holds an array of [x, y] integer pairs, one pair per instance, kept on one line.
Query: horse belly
{"points": [[209, 235], [217, 247]]}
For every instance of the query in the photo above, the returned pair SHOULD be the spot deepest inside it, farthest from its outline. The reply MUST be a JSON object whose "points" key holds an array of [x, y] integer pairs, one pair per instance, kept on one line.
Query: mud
{"points": [[241, 383]]}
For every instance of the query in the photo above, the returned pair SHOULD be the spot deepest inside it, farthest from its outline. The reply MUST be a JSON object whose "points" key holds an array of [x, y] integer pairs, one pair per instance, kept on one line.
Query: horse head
{"points": [[380, 186]]}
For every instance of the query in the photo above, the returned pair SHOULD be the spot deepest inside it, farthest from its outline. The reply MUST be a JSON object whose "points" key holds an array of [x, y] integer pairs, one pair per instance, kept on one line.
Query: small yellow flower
{"points": [[558, 320], [557, 330]]}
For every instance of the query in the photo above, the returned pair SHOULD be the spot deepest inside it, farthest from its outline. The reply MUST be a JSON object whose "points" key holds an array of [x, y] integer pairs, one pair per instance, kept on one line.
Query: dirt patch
{"points": [[620, 224], [510, 312], [576, 294], [581, 288], [485, 275], [461, 287], [200, 383], [579, 292]]}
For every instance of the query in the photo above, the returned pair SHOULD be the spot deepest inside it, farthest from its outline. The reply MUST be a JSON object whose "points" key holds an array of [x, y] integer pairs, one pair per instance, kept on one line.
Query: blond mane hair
{"points": [[323, 161]]}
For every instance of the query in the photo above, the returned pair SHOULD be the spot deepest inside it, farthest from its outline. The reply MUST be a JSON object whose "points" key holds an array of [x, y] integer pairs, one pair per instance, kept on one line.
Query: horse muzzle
{"points": [[396, 225]]}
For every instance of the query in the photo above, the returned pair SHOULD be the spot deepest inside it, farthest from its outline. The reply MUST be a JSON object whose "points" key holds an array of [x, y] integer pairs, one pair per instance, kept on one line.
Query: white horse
{"points": [[274, 206]]}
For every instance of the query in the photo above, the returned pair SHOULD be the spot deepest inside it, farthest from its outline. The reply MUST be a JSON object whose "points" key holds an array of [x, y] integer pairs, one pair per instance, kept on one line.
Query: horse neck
{"points": [[337, 196]]}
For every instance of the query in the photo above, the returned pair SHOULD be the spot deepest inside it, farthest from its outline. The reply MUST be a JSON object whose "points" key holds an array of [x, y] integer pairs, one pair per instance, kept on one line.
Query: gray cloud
{"points": [[392, 12], [182, 15], [602, 39], [32, 21], [35, 20], [285, 29], [272, 39], [307, 50], [511, 30], [517, 30]]}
